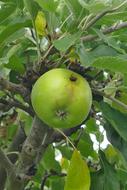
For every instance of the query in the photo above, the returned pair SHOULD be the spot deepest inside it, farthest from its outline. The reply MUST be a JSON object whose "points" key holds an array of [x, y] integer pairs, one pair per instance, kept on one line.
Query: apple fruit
{"points": [[61, 98]]}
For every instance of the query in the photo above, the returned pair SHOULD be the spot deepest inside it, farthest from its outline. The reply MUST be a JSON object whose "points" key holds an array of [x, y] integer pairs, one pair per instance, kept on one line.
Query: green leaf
{"points": [[88, 57], [6, 10], [104, 50], [114, 17], [94, 6], [122, 175], [97, 180], [85, 146], [13, 50], [53, 22], [20, 4], [7, 52], [32, 7], [14, 77], [15, 64], [67, 41], [106, 178], [85, 57], [78, 177], [66, 151], [115, 139], [125, 79], [48, 5], [9, 1], [9, 30], [112, 154], [111, 179], [49, 161], [110, 41], [123, 98], [12, 131], [114, 64], [117, 119], [58, 184], [75, 7], [91, 126]]}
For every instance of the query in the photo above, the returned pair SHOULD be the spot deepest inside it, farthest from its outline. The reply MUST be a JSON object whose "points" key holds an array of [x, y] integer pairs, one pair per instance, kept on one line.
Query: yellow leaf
{"points": [[72, 55], [64, 164], [40, 23], [78, 177]]}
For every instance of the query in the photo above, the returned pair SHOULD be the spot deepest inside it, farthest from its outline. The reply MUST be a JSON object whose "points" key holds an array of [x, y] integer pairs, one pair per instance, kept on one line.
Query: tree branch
{"points": [[110, 98], [35, 146], [33, 149], [40, 134], [108, 30], [16, 145], [6, 105], [100, 15], [5, 162], [16, 88]]}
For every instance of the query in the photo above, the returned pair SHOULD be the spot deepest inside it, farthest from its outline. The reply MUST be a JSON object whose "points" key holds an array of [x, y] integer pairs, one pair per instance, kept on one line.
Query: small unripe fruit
{"points": [[61, 98]]}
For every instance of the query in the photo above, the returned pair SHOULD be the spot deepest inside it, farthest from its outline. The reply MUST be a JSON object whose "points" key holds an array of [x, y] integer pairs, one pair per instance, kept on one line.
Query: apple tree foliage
{"points": [[90, 38]]}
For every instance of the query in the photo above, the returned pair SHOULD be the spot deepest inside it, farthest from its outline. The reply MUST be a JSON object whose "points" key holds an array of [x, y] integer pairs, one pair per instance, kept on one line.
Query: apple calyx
{"points": [[61, 114]]}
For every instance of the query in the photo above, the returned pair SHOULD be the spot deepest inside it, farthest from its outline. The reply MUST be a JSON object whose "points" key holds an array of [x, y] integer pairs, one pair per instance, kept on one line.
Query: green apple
{"points": [[61, 98]]}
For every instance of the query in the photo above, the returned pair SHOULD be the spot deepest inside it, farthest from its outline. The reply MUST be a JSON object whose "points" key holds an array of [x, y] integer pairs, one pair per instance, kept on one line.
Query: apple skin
{"points": [[61, 98]]}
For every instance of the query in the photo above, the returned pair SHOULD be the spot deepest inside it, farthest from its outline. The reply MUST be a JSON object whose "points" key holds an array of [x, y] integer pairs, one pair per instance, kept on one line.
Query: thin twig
{"points": [[47, 175], [100, 15], [67, 138], [108, 30], [47, 53], [110, 98]]}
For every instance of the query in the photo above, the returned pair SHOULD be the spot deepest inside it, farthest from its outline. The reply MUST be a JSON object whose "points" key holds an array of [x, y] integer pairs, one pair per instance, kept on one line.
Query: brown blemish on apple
{"points": [[73, 78]]}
